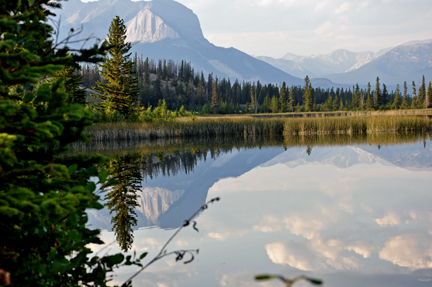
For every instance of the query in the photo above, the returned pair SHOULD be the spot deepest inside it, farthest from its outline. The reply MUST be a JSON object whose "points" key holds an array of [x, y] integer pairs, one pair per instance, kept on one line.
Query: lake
{"points": [[352, 211]]}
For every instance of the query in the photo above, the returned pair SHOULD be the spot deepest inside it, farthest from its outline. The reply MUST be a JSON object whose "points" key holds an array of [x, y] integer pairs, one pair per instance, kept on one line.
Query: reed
{"points": [[247, 126]]}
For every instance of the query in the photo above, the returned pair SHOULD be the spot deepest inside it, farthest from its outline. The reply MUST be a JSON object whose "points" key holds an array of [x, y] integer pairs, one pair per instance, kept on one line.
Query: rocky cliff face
{"points": [[154, 201], [148, 28]]}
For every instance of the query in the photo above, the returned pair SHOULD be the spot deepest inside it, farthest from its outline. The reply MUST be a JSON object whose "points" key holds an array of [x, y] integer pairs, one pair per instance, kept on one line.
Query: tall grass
{"points": [[247, 126], [356, 125]]}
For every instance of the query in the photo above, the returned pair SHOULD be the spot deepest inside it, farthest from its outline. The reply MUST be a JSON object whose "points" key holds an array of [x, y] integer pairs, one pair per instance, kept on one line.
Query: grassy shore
{"points": [[252, 126]]}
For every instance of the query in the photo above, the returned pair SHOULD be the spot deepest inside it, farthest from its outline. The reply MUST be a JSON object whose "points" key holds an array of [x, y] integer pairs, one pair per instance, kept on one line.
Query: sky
{"points": [[306, 27]]}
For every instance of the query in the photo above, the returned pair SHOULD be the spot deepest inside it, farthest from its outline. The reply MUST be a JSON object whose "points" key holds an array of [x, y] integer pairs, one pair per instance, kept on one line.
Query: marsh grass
{"points": [[252, 127]]}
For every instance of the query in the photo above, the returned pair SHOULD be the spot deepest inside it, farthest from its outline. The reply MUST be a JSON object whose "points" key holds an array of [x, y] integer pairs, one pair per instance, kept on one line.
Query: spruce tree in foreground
{"points": [[121, 91]]}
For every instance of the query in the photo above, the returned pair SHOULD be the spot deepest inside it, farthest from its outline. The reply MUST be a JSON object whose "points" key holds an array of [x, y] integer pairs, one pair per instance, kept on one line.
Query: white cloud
{"points": [[390, 219], [408, 250], [343, 8]]}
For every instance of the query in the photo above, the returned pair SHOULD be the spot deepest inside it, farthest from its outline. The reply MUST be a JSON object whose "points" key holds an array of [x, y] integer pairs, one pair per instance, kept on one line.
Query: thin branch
{"points": [[163, 253]]}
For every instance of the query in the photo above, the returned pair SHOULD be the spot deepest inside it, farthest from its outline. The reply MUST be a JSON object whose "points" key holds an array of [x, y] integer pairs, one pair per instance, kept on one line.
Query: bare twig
{"points": [[180, 253]]}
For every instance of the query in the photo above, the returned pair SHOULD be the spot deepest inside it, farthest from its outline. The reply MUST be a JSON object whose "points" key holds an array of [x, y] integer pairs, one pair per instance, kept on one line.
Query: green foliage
{"points": [[429, 96], [121, 90], [215, 99], [283, 98], [125, 180], [397, 99], [307, 96], [404, 104], [44, 196], [291, 102]]}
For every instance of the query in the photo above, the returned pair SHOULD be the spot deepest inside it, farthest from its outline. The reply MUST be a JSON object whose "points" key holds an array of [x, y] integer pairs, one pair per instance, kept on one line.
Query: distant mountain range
{"points": [[406, 62], [165, 29]]}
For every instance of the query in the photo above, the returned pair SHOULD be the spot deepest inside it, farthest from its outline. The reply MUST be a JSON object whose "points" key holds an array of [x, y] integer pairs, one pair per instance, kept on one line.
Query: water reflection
{"points": [[352, 210]]}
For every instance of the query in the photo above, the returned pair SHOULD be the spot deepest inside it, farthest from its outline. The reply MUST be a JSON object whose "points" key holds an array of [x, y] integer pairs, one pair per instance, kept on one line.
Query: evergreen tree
{"points": [[405, 104], [414, 96], [121, 90], [274, 105], [77, 95], [254, 103], [422, 94], [44, 194], [378, 95], [429, 96], [369, 102], [122, 198], [266, 104], [384, 97], [336, 103], [397, 99], [307, 96], [291, 103], [215, 99], [283, 97]]}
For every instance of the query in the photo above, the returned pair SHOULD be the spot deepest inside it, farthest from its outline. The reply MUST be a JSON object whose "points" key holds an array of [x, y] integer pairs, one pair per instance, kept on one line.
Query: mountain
{"points": [[406, 62], [316, 66], [165, 29], [402, 63], [166, 201]]}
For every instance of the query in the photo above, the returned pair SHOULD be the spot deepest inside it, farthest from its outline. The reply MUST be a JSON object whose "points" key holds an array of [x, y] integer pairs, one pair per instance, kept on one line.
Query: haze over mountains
{"points": [[166, 29]]}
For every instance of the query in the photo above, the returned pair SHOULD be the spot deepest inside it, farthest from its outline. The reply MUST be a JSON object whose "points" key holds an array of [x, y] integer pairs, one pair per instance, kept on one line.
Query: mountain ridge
{"points": [[346, 67], [166, 29]]}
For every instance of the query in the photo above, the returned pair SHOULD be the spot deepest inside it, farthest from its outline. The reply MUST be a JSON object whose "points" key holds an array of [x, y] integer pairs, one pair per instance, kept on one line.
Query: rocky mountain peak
{"points": [[148, 28]]}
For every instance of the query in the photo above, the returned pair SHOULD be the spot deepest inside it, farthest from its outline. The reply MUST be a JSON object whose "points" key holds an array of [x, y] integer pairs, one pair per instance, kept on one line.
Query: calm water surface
{"points": [[353, 215]]}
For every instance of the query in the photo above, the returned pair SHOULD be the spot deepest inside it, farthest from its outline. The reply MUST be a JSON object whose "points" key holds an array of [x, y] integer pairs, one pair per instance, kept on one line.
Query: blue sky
{"points": [[305, 27]]}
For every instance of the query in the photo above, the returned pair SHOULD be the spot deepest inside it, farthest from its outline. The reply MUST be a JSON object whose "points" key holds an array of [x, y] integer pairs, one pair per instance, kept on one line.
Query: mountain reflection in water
{"points": [[354, 211]]}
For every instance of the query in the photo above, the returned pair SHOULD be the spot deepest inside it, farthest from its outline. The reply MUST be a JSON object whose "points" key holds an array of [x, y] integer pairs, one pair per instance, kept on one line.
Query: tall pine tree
{"points": [[121, 90], [283, 97], [307, 96], [215, 99], [429, 96], [397, 99], [378, 95], [291, 102], [405, 104]]}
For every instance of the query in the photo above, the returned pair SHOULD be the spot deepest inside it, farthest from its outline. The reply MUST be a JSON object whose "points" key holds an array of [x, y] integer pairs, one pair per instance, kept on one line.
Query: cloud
{"points": [[239, 279], [316, 255], [390, 219], [364, 249], [408, 250], [227, 234], [343, 8]]}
